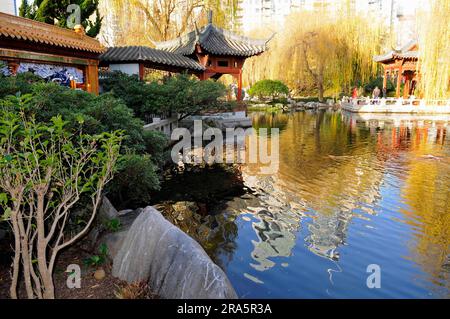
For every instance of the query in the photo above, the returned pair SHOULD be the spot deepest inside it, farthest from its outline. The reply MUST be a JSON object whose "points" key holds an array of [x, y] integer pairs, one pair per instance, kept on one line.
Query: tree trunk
{"points": [[16, 261], [320, 84], [320, 92], [44, 271]]}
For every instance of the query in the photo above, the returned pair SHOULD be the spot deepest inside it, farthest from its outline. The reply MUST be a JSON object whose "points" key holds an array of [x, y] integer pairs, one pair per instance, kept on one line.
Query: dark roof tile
{"points": [[214, 40], [146, 54]]}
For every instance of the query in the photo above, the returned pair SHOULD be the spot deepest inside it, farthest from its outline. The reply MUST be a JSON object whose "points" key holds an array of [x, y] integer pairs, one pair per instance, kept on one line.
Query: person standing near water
{"points": [[376, 93], [355, 92]]}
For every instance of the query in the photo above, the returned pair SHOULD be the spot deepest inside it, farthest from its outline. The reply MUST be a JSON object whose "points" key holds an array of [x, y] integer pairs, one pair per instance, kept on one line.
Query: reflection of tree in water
{"points": [[312, 179], [222, 241], [269, 120], [427, 194]]}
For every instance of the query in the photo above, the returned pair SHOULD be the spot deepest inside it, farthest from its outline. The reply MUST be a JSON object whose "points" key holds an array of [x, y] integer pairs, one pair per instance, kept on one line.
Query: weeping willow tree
{"points": [[140, 22], [321, 51], [434, 46]]}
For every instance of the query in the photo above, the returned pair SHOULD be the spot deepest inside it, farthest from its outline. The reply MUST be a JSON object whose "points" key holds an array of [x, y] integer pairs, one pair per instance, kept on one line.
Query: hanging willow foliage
{"points": [[141, 22], [434, 51], [336, 48]]}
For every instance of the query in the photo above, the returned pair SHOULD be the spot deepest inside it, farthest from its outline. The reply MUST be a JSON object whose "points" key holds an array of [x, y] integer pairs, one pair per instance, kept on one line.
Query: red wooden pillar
{"points": [[91, 78], [407, 87], [399, 81], [141, 71], [385, 80], [239, 94]]}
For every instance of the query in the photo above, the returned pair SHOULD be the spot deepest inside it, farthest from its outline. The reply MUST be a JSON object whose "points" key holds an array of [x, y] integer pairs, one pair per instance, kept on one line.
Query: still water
{"points": [[349, 193]]}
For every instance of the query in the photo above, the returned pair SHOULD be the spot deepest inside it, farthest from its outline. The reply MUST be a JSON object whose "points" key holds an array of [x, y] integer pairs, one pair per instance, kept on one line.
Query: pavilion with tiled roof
{"points": [[208, 52], [28, 44], [402, 65]]}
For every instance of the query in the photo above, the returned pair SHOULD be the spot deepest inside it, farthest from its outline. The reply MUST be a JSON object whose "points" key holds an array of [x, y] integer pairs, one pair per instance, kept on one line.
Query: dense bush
{"points": [[182, 94], [268, 88], [98, 114], [94, 115], [142, 98], [134, 181], [45, 170], [20, 83], [156, 144]]}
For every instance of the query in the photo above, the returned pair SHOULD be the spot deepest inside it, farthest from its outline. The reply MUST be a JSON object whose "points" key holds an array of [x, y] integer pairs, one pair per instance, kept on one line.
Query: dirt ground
{"points": [[91, 288]]}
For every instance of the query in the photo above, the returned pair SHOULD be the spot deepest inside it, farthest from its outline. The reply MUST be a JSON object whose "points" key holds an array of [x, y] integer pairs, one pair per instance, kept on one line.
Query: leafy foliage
{"points": [[92, 114], [51, 11], [97, 260], [44, 171], [113, 225], [134, 181], [21, 83], [268, 88], [182, 94]]}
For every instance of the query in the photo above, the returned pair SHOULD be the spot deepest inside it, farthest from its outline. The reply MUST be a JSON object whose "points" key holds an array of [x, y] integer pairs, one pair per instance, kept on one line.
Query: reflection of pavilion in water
{"points": [[342, 185], [432, 127], [425, 190], [330, 189]]}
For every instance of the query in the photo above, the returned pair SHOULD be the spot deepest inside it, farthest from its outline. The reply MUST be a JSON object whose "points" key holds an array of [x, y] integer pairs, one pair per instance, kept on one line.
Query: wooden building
{"points": [[401, 66], [209, 52], [54, 53]]}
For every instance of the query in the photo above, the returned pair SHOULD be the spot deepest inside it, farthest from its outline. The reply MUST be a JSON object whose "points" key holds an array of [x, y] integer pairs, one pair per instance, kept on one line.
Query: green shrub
{"points": [[268, 88], [97, 260], [182, 94], [156, 145], [94, 115], [102, 113], [142, 98], [113, 225], [11, 85], [134, 181]]}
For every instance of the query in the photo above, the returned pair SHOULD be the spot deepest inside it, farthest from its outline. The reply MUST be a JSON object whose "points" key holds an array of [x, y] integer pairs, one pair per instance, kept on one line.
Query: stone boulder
{"points": [[107, 210], [175, 265]]}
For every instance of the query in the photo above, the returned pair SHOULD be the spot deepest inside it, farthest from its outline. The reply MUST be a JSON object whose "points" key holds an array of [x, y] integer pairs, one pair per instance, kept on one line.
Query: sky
{"points": [[408, 6]]}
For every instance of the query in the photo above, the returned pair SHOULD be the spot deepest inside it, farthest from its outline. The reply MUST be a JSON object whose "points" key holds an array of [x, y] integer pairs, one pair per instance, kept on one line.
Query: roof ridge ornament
{"points": [[210, 16], [197, 32]]}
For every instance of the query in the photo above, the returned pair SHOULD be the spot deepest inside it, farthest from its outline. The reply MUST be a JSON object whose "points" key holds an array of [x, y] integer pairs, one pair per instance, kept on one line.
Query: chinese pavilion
{"points": [[56, 54], [401, 65], [209, 52]]}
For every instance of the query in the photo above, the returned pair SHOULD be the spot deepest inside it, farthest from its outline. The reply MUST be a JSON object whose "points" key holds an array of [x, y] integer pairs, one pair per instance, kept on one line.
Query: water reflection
{"points": [[347, 186]]}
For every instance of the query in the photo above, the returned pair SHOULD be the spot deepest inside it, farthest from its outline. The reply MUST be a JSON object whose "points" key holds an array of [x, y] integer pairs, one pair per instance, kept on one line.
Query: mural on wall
{"points": [[51, 73]]}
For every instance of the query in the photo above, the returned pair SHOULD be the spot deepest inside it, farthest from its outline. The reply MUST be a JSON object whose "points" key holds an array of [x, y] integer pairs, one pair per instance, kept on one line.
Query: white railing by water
{"points": [[395, 105]]}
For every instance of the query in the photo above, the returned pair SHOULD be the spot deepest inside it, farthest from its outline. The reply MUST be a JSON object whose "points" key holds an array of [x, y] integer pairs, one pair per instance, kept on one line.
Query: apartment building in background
{"points": [[398, 16], [10, 6]]}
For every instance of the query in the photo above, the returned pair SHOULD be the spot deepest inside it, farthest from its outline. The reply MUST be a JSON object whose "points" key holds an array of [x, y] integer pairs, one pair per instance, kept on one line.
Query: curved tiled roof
{"points": [[216, 41], [406, 52], [18, 28], [146, 54]]}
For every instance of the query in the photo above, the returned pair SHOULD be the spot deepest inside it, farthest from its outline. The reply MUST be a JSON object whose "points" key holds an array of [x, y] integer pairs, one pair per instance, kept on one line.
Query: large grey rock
{"points": [[114, 240], [107, 210], [174, 264]]}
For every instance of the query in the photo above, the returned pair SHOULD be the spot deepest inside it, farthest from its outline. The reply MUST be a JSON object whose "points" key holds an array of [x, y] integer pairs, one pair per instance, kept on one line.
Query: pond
{"points": [[349, 193]]}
